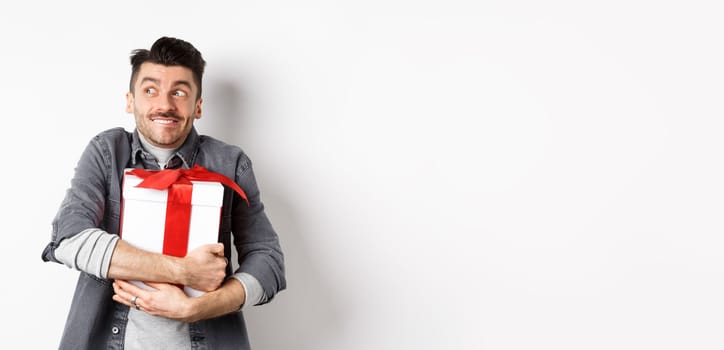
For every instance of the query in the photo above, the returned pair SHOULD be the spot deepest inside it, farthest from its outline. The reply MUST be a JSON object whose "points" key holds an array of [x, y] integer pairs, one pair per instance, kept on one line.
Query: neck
{"points": [[162, 155]]}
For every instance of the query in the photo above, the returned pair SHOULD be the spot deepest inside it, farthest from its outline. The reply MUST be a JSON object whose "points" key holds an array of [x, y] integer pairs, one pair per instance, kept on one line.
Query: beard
{"points": [[164, 136]]}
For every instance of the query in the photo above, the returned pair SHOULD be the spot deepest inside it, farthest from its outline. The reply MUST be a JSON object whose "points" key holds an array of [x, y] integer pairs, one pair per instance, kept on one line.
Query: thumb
{"points": [[218, 249]]}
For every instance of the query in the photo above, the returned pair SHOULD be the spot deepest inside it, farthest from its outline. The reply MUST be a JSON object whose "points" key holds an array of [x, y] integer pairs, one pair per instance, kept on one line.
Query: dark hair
{"points": [[170, 52]]}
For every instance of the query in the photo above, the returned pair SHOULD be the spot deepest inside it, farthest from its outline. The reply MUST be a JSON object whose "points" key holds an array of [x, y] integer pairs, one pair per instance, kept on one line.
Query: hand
{"points": [[166, 300], [204, 267]]}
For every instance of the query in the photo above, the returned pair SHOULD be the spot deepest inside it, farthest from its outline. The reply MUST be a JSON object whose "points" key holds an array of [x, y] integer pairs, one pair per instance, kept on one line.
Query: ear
{"points": [[129, 102], [199, 102]]}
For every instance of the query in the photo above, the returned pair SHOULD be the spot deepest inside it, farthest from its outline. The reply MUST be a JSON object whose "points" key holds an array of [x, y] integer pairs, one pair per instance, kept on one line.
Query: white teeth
{"points": [[163, 121]]}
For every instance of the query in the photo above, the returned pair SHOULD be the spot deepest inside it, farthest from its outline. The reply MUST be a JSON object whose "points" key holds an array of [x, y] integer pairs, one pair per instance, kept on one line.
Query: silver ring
{"points": [[133, 301]]}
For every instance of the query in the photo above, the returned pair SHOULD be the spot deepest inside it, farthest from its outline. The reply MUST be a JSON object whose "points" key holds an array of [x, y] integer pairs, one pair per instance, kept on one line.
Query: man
{"points": [[107, 312]]}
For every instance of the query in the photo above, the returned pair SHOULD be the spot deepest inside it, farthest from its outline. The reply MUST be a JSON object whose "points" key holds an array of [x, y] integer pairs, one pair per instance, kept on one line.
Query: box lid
{"points": [[204, 193]]}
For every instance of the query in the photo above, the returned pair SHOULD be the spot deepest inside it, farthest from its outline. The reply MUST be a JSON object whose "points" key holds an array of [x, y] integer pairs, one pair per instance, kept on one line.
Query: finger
{"points": [[121, 300], [122, 296], [128, 286], [118, 289], [133, 289], [129, 299], [159, 285], [218, 249]]}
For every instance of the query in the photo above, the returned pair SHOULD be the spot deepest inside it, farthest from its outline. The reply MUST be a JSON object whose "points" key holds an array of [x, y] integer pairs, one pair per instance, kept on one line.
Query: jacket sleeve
{"points": [[85, 202], [256, 241]]}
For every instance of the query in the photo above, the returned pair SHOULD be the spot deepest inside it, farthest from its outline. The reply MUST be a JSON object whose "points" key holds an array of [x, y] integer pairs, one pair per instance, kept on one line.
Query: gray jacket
{"points": [[95, 321]]}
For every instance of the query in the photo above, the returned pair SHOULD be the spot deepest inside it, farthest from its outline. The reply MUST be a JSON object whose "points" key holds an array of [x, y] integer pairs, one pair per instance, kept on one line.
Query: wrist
{"points": [[178, 271], [192, 309]]}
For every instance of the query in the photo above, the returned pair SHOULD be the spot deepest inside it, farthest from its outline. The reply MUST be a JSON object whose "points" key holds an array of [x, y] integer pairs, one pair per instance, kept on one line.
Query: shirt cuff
{"points": [[89, 251], [252, 288]]}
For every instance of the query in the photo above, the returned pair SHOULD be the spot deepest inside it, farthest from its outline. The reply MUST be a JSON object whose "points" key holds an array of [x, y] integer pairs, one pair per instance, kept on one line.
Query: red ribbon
{"points": [[178, 206], [163, 179]]}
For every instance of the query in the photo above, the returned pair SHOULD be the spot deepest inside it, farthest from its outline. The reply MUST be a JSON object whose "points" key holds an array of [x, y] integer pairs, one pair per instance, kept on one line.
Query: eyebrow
{"points": [[157, 82]]}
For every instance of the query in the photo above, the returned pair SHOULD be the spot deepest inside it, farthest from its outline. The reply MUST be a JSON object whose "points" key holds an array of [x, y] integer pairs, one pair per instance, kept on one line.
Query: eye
{"points": [[179, 93], [150, 91]]}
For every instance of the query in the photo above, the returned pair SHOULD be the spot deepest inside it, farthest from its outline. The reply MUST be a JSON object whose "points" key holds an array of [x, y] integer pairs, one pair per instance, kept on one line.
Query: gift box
{"points": [[172, 211]]}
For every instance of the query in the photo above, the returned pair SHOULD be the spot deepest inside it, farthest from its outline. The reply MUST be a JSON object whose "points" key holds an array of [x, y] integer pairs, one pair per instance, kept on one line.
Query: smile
{"points": [[164, 121]]}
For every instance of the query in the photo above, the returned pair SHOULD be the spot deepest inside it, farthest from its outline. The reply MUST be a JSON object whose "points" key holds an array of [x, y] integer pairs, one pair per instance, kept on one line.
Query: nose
{"points": [[165, 103]]}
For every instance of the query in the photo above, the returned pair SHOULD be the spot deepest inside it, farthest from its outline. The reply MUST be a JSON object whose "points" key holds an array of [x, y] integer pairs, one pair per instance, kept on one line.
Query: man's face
{"points": [[164, 104]]}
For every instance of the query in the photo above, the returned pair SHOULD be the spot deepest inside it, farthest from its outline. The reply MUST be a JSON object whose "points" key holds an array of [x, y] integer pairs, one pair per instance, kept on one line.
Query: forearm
{"points": [[228, 298], [202, 268], [130, 263]]}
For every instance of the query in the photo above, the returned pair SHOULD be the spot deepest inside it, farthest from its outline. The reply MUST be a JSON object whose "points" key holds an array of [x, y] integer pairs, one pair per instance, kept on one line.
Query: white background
{"points": [[442, 174]]}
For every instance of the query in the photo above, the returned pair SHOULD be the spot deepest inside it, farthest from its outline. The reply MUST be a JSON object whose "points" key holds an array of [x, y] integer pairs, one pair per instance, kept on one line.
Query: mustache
{"points": [[166, 115]]}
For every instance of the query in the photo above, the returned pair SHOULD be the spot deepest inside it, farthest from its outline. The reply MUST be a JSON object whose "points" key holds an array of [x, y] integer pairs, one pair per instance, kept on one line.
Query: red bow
{"points": [[163, 179]]}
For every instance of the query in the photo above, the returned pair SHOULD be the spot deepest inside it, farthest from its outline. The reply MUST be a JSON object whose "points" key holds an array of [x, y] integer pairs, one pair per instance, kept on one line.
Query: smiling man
{"points": [[167, 103], [107, 312]]}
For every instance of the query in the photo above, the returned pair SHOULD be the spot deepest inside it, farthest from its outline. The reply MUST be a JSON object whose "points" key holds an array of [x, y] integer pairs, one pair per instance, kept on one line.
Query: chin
{"points": [[164, 143]]}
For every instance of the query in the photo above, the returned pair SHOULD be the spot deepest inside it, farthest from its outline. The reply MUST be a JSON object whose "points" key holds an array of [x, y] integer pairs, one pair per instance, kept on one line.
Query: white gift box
{"points": [[143, 217]]}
